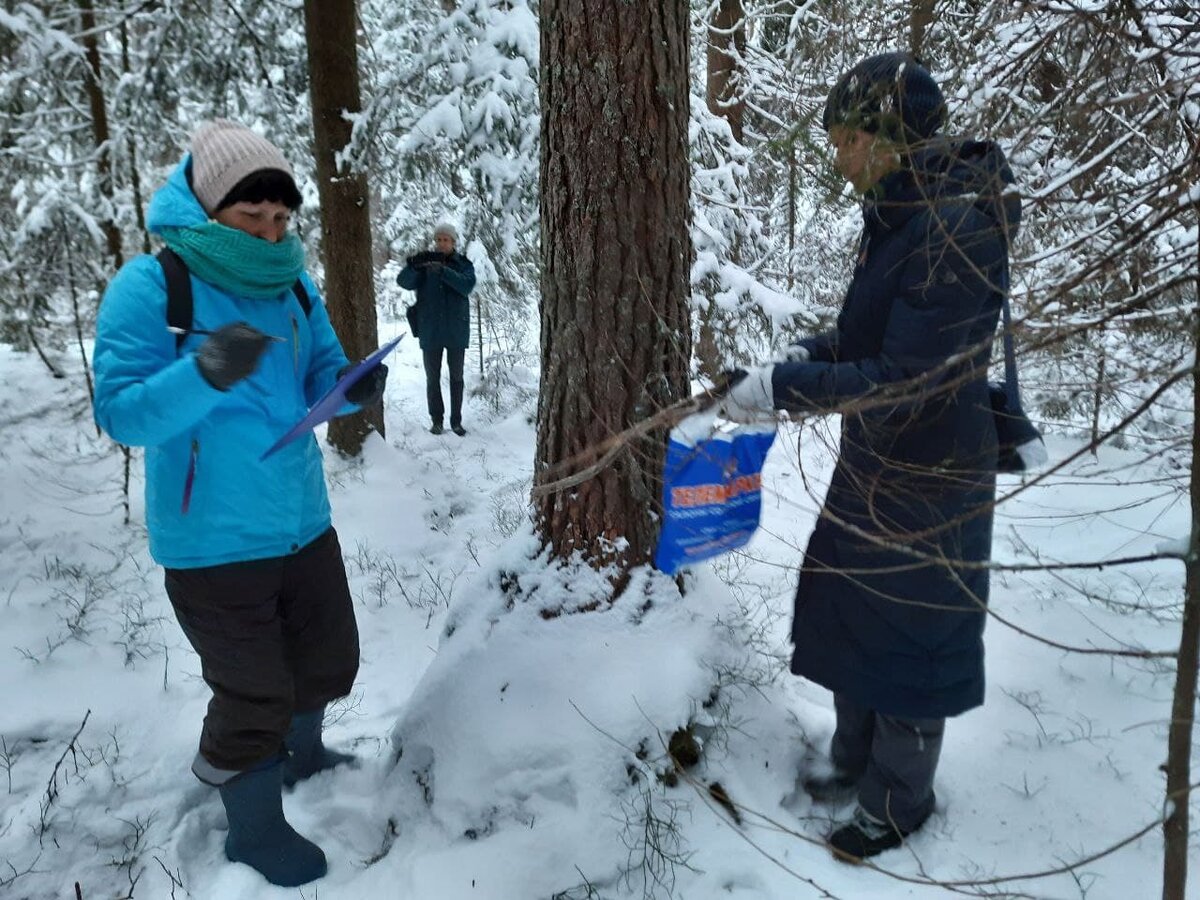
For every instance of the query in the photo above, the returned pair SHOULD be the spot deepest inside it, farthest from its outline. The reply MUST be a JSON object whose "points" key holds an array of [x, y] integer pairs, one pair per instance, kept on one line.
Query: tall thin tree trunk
{"points": [[920, 17], [793, 193], [1098, 391], [345, 200], [1183, 706], [94, 85], [616, 254], [78, 317], [710, 361], [479, 328], [30, 331], [127, 455], [726, 47], [135, 178]]}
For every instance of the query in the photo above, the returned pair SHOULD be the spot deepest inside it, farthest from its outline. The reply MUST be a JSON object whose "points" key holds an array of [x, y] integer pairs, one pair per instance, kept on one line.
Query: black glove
{"points": [[368, 390], [434, 266], [230, 354]]}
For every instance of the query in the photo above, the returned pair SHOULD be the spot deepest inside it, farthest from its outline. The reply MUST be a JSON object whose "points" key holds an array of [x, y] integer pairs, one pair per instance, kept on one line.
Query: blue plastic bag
{"points": [[712, 490]]}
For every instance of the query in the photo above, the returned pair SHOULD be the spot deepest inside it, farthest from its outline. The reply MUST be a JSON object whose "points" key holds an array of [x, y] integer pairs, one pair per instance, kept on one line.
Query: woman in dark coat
{"points": [[443, 279], [893, 590]]}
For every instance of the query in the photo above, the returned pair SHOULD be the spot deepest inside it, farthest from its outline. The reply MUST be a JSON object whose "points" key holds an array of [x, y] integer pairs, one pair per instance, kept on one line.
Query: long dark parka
{"points": [[443, 310], [890, 608]]}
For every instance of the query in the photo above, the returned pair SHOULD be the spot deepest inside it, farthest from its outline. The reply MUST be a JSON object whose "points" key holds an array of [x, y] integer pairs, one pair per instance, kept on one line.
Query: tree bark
{"points": [[479, 328], [94, 85], [1187, 665], [135, 179], [920, 17], [345, 200], [793, 195], [726, 47], [616, 255]]}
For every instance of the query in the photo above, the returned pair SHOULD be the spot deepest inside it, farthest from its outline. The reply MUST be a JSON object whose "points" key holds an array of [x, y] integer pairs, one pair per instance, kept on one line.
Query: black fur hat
{"points": [[265, 184]]}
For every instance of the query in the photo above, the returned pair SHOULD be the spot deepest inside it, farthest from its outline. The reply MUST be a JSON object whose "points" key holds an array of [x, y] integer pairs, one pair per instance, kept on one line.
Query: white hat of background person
{"points": [[447, 229], [223, 153]]}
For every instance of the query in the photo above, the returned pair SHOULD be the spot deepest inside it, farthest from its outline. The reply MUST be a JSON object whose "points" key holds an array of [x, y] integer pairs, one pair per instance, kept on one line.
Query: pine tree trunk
{"points": [[920, 17], [793, 195], [135, 179], [479, 328], [1183, 706], [726, 46], [94, 85], [345, 200], [616, 254]]}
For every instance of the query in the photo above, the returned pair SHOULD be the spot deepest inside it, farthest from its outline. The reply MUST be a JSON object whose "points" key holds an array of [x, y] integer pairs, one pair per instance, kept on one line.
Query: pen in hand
{"points": [[175, 329]]}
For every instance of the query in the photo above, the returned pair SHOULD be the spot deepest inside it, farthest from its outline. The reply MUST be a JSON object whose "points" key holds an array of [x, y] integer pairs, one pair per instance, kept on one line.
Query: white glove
{"points": [[750, 400], [1033, 454], [793, 353]]}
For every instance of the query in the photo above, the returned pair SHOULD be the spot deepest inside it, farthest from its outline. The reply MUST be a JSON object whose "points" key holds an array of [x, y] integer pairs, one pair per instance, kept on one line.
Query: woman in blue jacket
{"points": [[253, 566], [893, 590]]}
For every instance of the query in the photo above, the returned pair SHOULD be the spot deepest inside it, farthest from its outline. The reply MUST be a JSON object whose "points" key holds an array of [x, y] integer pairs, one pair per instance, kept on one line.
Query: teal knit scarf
{"points": [[236, 262]]}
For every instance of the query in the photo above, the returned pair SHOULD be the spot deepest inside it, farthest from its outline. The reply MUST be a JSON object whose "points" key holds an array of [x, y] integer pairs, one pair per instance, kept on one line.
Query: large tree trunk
{"points": [[726, 48], [345, 201], [616, 253]]}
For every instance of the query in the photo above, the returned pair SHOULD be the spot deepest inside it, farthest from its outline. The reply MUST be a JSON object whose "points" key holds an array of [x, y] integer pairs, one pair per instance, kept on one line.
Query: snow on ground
{"points": [[530, 744]]}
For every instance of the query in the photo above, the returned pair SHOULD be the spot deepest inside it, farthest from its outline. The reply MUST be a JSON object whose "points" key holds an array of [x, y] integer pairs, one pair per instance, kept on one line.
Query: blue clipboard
{"points": [[335, 398]]}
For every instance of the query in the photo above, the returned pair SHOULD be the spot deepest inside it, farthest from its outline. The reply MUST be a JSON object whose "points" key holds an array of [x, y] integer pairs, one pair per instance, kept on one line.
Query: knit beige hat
{"points": [[223, 153]]}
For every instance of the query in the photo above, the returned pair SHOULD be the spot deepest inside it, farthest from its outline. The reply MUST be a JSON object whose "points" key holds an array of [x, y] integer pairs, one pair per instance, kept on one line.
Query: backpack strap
{"points": [[180, 305], [179, 294], [302, 295]]}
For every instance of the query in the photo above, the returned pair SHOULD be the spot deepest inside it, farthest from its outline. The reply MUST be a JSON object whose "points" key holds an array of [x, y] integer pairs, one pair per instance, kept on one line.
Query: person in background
{"points": [[443, 280], [253, 566], [892, 594]]}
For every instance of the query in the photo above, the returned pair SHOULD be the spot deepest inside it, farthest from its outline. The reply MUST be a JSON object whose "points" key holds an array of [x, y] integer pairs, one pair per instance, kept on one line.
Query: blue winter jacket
{"points": [[893, 591], [209, 500]]}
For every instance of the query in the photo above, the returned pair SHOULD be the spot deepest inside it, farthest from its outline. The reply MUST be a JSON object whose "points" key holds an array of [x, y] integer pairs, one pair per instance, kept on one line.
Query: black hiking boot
{"points": [[435, 428], [459, 430], [865, 836]]}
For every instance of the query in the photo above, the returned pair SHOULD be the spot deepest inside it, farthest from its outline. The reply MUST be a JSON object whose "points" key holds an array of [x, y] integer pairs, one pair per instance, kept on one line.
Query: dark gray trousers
{"points": [[893, 758], [275, 636], [455, 360]]}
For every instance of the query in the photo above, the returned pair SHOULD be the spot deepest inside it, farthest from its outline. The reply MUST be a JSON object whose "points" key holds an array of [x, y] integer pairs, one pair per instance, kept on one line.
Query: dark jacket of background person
{"points": [[882, 616], [443, 311]]}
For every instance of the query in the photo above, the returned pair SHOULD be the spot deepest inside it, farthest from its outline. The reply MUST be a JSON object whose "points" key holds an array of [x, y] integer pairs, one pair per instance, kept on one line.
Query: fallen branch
{"points": [[52, 784], [599, 457]]}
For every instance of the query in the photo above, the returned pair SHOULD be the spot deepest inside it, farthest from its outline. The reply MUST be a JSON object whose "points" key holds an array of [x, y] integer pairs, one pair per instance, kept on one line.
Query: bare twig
{"points": [[52, 785]]}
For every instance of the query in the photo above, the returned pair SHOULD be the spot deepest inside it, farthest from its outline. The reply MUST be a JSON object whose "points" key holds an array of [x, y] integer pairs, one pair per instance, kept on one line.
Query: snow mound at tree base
{"points": [[532, 721]]}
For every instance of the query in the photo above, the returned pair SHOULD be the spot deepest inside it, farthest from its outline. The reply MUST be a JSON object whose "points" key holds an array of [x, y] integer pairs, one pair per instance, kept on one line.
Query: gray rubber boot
{"points": [[260, 836]]}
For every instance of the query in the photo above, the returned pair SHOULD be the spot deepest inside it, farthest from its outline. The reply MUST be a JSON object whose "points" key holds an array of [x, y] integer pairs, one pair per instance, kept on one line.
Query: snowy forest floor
{"points": [[533, 743]]}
